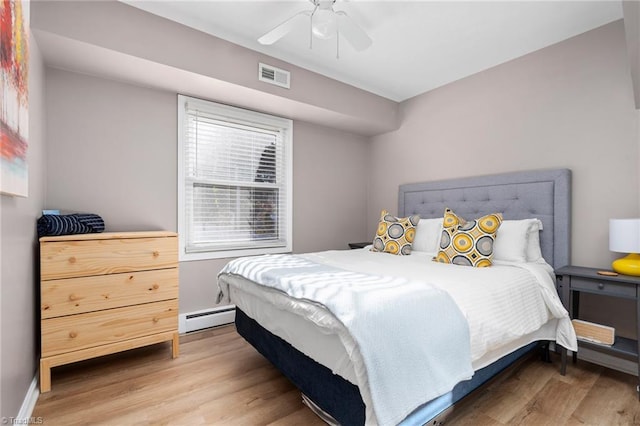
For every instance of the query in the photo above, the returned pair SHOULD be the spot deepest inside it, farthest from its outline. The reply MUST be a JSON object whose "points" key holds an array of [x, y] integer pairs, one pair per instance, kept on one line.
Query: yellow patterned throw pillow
{"points": [[395, 234], [468, 243]]}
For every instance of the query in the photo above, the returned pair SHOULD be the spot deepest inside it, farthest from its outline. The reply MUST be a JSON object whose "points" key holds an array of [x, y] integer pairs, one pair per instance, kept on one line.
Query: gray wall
{"points": [[569, 105], [631, 12], [149, 51], [119, 160], [18, 274]]}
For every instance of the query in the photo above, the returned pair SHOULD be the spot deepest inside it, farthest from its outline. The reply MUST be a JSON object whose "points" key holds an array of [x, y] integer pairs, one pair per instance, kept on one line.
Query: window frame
{"points": [[242, 117]]}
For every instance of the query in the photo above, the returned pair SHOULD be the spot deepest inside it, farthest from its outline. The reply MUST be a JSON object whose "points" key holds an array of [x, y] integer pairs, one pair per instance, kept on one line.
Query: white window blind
{"points": [[234, 181]]}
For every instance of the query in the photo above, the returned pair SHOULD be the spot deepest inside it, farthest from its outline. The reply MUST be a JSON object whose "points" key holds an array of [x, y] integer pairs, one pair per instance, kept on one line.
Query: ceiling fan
{"points": [[324, 23]]}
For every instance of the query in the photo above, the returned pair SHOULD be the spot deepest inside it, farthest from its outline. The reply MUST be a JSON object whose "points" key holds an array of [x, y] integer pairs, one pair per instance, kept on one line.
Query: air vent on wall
{"points": [[274, 75]]}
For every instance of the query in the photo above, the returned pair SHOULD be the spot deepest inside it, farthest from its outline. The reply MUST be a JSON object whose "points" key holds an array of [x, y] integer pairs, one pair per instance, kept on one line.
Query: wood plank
{"points": [[80, 258], [608, 402], [71, 333], [552, 405], [71, 296], [221, 379], [298, 417], [502, 399]]}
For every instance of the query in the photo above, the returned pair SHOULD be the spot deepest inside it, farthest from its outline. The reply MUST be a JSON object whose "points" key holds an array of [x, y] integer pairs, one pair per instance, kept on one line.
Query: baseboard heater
{"points": [[206, 318]]}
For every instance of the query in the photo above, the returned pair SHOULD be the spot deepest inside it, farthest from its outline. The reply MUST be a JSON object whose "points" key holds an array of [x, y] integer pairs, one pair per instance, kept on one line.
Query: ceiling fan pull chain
{"points": [[338, 43]]}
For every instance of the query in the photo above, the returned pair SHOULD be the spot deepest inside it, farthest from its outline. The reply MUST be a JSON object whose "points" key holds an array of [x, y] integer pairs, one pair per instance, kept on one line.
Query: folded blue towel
{"points": [[80, 223]]}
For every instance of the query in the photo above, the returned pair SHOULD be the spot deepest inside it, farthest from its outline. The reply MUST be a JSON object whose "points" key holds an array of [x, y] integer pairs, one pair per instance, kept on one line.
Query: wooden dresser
{"points": [[105, 293]]}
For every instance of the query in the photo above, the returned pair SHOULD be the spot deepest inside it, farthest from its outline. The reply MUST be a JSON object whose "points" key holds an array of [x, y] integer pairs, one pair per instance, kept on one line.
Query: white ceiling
{"points": [[417, 45]]}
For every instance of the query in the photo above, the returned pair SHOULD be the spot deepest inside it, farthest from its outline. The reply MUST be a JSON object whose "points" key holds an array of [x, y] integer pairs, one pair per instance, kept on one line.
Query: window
{"points": [[234, 181]]}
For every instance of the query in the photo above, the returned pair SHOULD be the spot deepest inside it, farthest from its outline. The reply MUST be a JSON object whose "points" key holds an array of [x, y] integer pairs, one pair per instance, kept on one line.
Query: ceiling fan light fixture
{"points": [[324, 24]]}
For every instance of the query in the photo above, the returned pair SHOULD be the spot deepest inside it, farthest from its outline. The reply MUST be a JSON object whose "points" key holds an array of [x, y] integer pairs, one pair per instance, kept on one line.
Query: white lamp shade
{"points": [[624, 235]]}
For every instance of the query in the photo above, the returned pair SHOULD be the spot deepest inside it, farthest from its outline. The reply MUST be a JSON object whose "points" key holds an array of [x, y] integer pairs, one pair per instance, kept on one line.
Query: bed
{"points": [[312, 351]]}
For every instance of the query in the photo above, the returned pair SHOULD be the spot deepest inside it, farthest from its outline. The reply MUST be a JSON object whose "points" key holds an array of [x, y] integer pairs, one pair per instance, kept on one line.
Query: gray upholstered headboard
{"points": [[542, 194]]}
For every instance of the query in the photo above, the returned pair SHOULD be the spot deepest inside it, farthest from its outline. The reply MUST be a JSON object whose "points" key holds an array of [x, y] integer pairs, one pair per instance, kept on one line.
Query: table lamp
{"points": [[624, 237]]}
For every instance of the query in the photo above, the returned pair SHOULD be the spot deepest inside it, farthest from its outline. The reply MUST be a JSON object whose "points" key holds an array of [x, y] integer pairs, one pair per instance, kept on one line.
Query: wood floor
{"points": [[220, 379]]}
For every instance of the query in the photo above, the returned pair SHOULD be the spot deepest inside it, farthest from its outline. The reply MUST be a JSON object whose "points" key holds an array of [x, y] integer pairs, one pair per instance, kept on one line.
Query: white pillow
{"points": [[516, 241], [428, 234], [534, 252]]}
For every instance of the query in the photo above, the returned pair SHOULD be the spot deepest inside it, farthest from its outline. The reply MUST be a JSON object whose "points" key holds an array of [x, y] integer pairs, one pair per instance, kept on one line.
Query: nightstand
{"points": [[359, 245], [573, 280]]}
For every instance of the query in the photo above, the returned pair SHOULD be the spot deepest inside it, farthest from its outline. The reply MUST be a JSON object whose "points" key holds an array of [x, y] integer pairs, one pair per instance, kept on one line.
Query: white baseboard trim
{"points": [[29, 403], [206, 318]]}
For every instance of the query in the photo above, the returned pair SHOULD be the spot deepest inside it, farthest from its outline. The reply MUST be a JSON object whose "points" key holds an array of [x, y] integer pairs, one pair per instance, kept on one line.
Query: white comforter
{"points": [[501, 303], [413, 340]]}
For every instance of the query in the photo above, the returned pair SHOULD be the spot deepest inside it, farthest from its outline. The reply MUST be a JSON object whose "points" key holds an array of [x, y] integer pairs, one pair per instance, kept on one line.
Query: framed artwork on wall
{"points": [[14, 99]]}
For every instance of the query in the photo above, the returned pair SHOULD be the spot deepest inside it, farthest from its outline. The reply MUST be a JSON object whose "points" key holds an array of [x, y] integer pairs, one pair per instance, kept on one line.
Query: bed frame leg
{"points": [[544, 353], [563, 362]]}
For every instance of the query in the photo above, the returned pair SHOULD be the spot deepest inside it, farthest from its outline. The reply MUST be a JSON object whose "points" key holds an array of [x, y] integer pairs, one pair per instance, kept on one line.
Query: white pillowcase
{"points": [[534, 252], [518, 241], [428, 234]]}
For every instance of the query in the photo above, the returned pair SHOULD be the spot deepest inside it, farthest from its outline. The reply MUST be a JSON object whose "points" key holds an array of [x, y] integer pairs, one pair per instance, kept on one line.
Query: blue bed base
{"points": [[341, 398]]}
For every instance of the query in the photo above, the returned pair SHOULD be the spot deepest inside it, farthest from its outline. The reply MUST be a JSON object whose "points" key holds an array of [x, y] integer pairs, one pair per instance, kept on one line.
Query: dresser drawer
{"points": [[71, 296], [77, 258], [603, 287], [71, 333]]}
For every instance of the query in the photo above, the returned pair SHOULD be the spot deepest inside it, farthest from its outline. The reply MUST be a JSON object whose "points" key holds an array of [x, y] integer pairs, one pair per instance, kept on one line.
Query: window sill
{"points": [[207, 255]]}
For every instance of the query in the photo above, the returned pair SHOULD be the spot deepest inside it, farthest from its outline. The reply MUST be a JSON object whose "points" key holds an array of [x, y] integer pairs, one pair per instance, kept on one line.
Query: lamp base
{"points": [[628, 265]]}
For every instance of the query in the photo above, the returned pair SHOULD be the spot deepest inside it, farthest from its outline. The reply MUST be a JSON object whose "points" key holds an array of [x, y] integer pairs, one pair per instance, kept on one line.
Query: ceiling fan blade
{"points": [[283, 29], [352, 32]]}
